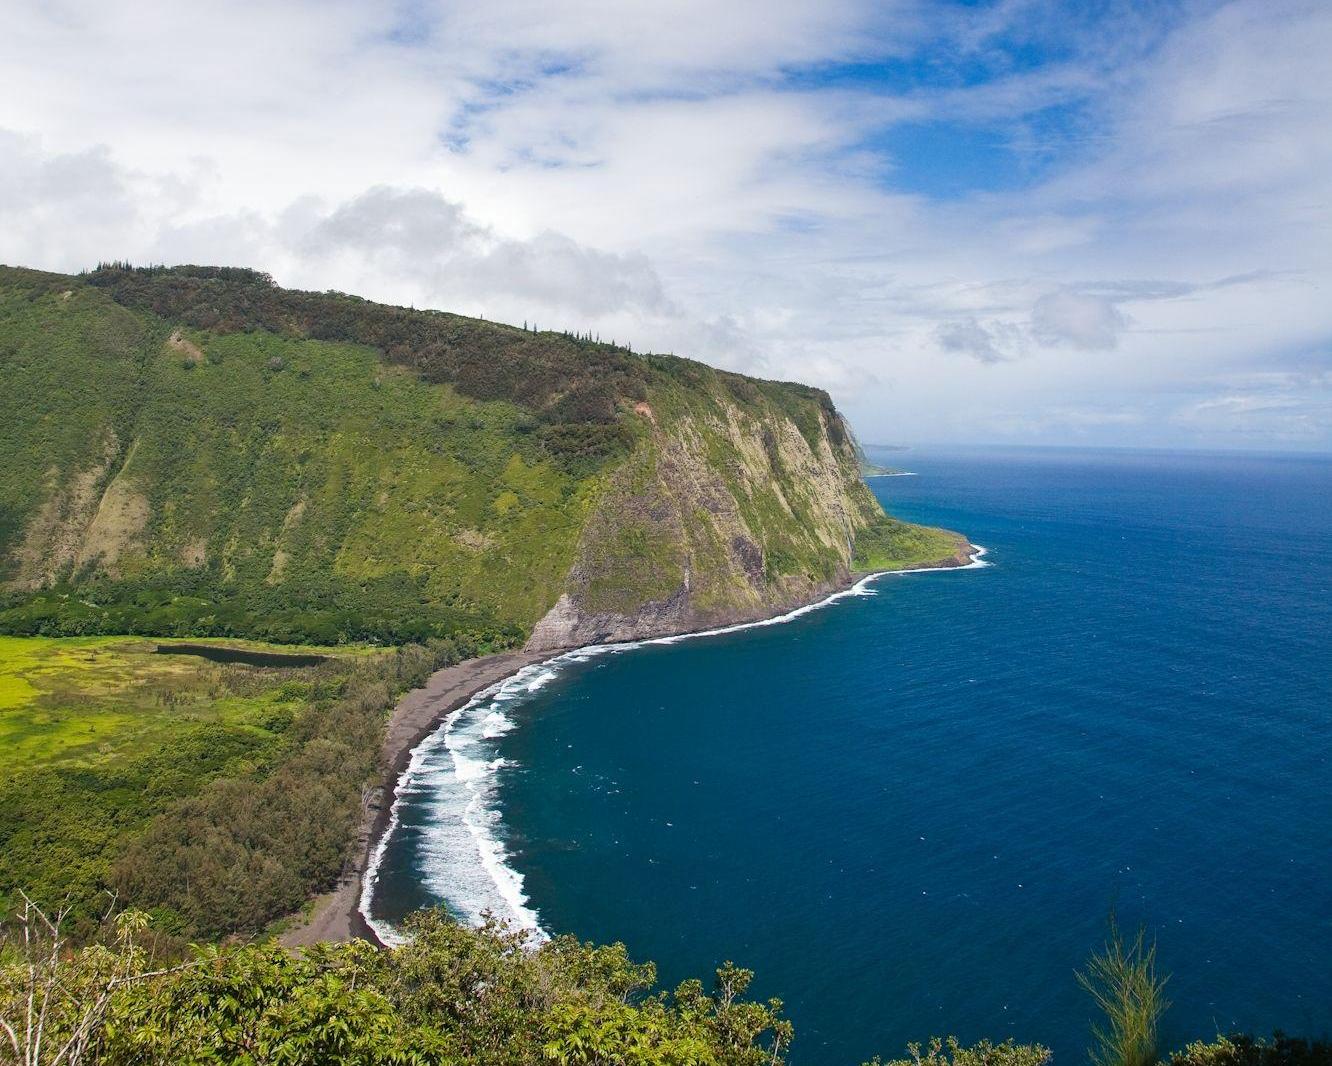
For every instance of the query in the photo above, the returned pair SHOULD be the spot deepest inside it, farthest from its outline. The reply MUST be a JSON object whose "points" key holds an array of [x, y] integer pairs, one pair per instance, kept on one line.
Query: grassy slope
{"points": [[196, 452], [893, 545], [67, 378], [251, 469]]}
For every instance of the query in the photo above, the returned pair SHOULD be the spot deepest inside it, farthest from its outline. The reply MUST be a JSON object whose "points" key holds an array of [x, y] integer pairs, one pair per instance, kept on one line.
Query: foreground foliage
{"points": [[1242, 1050], [453, 995], [1122, 981], [1233, 1050], [950, 1052]]}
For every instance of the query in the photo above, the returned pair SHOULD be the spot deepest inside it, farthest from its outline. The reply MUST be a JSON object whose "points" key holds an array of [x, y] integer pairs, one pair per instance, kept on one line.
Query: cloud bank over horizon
{"points": [[1018, 221]]}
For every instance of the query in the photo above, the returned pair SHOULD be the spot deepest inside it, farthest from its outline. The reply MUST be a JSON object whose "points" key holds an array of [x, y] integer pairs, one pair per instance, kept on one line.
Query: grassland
{"points": [[890, 544], [216, 795], [87, 701]]}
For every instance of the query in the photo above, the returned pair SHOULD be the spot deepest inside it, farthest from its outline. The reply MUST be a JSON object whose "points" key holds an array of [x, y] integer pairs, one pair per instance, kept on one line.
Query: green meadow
{"points": [[86, 701], [108, 748], [890, 544]]}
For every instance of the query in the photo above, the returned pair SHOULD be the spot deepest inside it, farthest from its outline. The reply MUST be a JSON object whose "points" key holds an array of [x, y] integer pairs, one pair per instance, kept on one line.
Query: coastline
{"points": [[337, 915]]}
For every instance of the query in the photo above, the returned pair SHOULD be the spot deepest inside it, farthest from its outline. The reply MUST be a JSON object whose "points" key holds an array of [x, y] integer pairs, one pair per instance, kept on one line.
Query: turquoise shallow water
{"points": [[910, 812]]}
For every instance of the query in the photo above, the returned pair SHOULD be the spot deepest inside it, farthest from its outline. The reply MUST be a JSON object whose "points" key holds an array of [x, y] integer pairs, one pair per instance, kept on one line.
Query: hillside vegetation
{"points": [[455, 996], [195, 451], [215, 796]]}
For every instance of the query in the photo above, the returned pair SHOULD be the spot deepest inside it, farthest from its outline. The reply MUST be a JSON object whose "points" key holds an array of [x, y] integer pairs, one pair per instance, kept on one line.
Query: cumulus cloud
{"points": [[419, 235], [993, 342], [395, 241], [54, 203], [1080, 320], [724, 183], [411, 224]]}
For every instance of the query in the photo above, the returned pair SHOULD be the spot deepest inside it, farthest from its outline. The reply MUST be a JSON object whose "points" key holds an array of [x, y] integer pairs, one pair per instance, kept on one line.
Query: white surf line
{"points": [[464, 784], [860, 588], [472, 780]]}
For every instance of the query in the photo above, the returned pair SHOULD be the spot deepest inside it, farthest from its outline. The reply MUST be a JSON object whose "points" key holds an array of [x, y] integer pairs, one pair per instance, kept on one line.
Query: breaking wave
{"points": [[453, 778]]}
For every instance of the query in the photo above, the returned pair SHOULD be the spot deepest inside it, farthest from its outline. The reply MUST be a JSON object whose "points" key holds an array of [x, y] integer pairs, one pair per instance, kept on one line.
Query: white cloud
{"points": [[993, 342], [1080, 320], [418, 237], [654, 172], [1274, 410]]}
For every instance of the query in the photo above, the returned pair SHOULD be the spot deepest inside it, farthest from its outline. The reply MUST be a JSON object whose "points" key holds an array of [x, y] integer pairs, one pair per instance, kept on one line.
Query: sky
{"points": [[1015, 221]]}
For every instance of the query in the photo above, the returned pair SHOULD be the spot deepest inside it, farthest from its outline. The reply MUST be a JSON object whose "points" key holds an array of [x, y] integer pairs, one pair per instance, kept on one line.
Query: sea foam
{"points": [[454, 774]]}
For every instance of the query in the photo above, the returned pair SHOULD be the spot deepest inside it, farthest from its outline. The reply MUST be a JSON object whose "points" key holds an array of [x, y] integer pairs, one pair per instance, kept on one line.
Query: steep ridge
{"points": [[195, 450]]}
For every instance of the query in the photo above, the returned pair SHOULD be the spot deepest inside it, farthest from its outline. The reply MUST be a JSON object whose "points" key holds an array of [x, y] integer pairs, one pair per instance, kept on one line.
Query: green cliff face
{"points": [[196, 451]]}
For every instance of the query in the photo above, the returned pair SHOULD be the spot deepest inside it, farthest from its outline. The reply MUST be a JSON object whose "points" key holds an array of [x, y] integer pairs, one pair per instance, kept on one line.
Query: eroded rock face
{"points": [[749, 555], [89, 520], [719, 517], [566, 625]]}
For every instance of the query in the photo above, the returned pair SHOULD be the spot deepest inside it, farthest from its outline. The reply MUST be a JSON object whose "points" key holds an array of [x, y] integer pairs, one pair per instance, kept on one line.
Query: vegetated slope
{"points": [[194, 450]]}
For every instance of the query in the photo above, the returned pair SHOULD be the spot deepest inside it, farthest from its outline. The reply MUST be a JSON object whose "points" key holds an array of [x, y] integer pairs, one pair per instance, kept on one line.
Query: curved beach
{"points": [[342, 914], [336, 916]]}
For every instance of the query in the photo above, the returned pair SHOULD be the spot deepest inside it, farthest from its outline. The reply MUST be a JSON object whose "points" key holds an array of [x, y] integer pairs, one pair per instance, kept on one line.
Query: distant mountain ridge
{"points": [[194, 450]]}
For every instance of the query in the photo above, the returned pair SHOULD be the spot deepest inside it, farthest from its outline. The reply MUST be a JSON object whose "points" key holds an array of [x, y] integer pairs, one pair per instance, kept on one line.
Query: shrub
{"points": [[951, 1053], [1121, 979], [453, 995], [1241, 1050]]}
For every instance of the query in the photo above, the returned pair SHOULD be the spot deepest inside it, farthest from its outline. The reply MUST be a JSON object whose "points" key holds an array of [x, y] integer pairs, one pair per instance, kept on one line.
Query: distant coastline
{"points": [[869, 470], [344, 913]]}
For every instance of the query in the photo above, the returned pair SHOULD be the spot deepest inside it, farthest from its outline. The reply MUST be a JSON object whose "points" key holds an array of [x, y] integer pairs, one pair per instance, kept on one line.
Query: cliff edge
{"points": [[198, 451]]}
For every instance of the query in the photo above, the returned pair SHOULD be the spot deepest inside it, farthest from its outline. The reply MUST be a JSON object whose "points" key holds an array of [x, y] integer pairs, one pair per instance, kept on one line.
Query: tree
{"points": [[54, 1004], [453, 995], [950, 1052]]}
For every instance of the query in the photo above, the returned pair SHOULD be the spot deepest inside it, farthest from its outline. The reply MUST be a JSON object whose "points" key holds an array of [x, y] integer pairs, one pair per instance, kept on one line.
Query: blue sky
{"points": [[943, 157], [1022, 221]]}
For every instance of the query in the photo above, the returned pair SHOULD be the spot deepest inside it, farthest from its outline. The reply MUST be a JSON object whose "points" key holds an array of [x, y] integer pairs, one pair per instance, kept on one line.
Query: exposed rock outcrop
{"points": [[722, 515]]}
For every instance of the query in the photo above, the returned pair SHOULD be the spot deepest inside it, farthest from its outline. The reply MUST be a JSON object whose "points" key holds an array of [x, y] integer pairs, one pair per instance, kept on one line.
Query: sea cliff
{"points": [[196, 451]]}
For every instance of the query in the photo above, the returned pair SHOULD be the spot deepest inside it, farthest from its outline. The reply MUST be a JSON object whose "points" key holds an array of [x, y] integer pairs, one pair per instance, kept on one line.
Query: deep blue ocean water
{"points": [[911, 812]]}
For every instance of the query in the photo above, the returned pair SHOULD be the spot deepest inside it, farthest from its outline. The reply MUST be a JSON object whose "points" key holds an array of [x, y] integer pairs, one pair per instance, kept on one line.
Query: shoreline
{"points": [[337, 915]]}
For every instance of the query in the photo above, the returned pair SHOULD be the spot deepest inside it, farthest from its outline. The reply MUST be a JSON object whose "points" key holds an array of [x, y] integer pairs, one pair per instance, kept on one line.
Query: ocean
{"points": [[911, 810]]}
